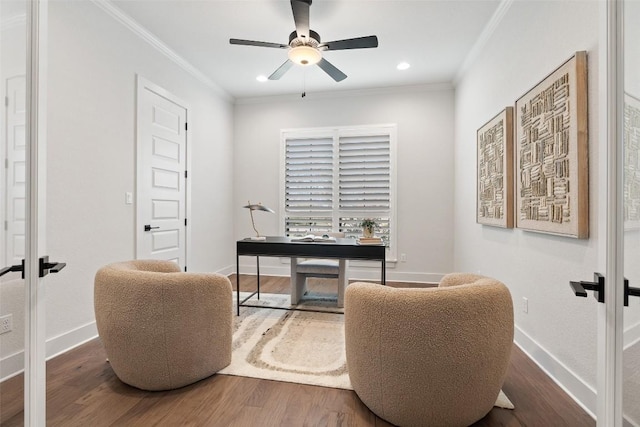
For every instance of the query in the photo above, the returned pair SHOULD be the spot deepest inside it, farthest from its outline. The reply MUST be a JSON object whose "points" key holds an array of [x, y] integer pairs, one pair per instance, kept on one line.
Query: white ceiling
{"points": [[434, 36]]}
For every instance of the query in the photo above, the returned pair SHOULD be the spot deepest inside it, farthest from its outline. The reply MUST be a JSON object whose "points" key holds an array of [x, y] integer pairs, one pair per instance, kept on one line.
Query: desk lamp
{"points": [[257, 207]]}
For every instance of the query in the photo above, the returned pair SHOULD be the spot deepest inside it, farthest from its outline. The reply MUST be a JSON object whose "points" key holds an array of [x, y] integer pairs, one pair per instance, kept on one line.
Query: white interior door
{"points": [[23, 36], [631, 191], [619, 317], [161, 184]]}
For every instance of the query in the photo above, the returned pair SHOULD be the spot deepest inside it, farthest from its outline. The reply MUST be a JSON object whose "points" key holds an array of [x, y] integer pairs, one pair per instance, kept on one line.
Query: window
{"points": [[333, 178]]}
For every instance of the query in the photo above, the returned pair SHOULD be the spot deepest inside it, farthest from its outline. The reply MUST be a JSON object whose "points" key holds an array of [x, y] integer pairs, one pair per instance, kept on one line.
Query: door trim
{"points": [[142, 84], [35, 215], [610, 315]]}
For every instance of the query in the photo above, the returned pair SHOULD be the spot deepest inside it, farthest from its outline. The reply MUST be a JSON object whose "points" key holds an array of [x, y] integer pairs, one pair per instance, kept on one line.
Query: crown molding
{"points": [[135, 27], [484, 37], [432, 87]]}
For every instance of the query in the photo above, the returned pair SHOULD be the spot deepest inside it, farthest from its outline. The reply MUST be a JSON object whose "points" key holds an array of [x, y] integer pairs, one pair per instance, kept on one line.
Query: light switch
{"points": [[128, 198]]}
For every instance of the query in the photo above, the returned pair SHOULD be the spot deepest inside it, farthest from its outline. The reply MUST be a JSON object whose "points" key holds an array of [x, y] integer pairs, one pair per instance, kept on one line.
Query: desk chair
{"points": [[326, 268]]}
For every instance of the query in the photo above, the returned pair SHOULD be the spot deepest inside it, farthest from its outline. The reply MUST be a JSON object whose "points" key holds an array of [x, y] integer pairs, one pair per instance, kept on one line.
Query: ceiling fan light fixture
{"points": [[305, 55]]}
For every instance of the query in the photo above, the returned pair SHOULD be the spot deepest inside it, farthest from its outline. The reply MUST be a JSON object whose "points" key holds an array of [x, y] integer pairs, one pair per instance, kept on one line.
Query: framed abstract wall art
{"points": [[494, 204], [552, 153]]}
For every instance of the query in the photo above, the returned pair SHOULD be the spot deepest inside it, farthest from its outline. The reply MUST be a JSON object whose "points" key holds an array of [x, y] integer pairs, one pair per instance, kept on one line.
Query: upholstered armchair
{"points": [[162, 328], [429, 356]]}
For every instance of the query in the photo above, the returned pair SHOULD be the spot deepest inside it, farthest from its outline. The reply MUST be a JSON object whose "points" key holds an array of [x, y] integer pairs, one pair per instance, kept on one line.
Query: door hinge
{"points": [[185, 268], [6, 101], [185, 222], [6, 163], [186, 126], [6, 225], [185, 174]]}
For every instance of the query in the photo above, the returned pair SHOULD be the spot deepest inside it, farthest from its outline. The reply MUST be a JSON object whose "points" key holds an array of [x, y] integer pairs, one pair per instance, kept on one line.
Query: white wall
{"points": [[559, 330], [424, 116], [93, 63]]}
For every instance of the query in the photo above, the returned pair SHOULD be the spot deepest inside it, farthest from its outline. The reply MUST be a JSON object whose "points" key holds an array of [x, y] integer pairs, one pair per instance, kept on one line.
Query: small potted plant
{"points": [[368, 227]]}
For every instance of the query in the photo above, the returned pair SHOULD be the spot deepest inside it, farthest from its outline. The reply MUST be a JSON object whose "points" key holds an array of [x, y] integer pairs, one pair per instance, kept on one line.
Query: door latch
{"points": [[19, 267], [629, 291], [45, 267], [597, 286], [148, 227]]}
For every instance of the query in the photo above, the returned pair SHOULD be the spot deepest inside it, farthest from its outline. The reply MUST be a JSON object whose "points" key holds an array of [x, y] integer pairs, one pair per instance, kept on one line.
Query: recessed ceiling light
{"points": [[403, 65], [261, 78]]}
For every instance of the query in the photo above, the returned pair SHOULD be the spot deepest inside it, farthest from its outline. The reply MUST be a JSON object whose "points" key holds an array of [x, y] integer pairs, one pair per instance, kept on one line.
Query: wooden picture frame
{"points": [[494, 201], [552, 182], [631, 183]]}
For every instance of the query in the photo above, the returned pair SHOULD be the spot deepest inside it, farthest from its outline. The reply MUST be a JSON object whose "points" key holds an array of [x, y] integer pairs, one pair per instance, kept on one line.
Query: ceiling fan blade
{"points": [[256, 43], [356, 43], [330, 69], [300, 10], [281, 70]]}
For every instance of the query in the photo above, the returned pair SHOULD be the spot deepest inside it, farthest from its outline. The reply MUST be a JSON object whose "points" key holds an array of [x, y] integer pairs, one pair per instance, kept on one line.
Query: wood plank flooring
{"points": [[82, 390]]}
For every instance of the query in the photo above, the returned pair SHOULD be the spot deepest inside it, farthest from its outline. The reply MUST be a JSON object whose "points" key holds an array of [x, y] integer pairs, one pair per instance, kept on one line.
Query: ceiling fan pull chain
{"points": [[304, 83]]}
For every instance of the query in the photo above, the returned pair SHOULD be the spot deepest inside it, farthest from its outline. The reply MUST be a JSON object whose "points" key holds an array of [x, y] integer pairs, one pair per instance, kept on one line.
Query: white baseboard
{"points": [[13, 365], [574, 386]]}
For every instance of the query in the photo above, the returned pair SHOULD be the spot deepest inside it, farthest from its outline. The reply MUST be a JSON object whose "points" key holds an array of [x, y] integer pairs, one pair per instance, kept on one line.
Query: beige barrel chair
{"points": [[162, 328], [429, 356]]}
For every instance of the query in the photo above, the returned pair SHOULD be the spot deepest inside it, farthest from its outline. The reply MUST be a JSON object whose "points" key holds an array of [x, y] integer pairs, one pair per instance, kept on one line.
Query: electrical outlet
{"points": [[6, 323], [525, 304], [403, 257]]}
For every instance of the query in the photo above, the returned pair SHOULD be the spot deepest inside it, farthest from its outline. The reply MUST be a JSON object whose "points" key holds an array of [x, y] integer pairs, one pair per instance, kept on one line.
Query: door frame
{"points": [[141, 84], [35, 215], [610, 314]]}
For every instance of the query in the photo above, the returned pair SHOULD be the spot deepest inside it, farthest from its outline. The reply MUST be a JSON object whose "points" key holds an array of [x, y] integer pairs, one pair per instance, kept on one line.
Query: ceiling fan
{"points": [[305, 46]]}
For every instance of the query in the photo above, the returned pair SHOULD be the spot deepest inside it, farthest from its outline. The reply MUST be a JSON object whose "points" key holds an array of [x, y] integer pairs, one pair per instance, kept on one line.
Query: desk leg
{"points": [[342, 281], [384, 273], [238, 282], [258, 271], [297, 283]]}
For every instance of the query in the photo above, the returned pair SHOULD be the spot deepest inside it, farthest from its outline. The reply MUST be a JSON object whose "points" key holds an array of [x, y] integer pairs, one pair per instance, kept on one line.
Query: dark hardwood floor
{"points": [[82, 390]]}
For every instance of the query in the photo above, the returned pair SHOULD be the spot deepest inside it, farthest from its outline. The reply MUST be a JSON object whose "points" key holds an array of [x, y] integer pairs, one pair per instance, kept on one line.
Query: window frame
{"points": [[335, 133]]}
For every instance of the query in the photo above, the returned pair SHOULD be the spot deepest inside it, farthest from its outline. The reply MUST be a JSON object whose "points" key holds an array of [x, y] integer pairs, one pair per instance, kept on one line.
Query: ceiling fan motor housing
{"points": [[313, 40]]}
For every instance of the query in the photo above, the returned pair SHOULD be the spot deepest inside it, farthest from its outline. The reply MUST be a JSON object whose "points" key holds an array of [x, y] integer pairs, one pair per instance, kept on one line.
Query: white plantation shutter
{"points": [[309, 175], [365, 165], [336, 177]]}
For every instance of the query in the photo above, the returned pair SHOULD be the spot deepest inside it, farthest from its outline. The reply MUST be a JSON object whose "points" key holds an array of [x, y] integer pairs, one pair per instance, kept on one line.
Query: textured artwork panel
{"points": [[495, 171], [551, 153]]}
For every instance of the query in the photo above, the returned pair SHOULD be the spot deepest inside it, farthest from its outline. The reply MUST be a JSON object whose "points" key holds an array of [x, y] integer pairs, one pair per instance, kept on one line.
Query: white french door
{"points": [[619, 317], [22, 311]]}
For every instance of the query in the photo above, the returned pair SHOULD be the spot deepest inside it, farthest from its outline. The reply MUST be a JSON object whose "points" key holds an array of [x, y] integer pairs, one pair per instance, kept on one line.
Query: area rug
{"points": [[305, 347]]}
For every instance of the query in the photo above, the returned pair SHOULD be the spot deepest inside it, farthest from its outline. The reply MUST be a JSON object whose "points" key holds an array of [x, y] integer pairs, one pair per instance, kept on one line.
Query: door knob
{"points": [[19, 267], [629, 291], [597, 286], [148, 227], [45, 267]]}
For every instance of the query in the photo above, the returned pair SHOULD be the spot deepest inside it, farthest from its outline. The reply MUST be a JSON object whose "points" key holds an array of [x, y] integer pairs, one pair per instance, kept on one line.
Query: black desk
{"points": [[285, 247]]}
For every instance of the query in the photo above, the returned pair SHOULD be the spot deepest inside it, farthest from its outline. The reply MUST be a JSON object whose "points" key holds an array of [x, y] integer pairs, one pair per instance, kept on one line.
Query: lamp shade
{"points": [[305, 55], [256, 207]]}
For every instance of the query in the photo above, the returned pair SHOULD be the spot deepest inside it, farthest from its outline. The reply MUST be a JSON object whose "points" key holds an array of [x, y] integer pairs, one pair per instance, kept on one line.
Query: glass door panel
{"points": [[13, 51], [631, 140]]}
